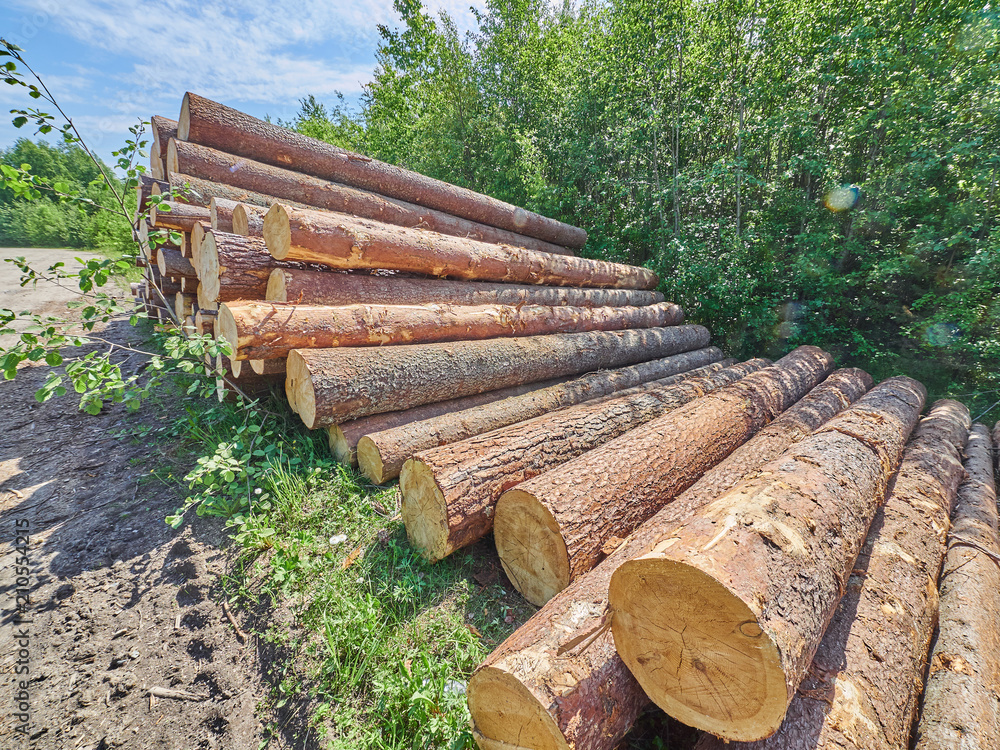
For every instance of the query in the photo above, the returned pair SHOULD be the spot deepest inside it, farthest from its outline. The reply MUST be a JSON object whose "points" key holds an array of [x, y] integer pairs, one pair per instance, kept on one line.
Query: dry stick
{"points": [[263, 179], [558, 682], [449, 493], [381, 455], [862, 688], [342, 241], [304, 287], [204, 121], [270, 330], [742, 591], [553, 528], [960, 700], [330, 386]]}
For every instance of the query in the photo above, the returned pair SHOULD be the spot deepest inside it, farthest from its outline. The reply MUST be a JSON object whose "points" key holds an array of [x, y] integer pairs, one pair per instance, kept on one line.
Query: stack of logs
{"points": [[755, 547]]}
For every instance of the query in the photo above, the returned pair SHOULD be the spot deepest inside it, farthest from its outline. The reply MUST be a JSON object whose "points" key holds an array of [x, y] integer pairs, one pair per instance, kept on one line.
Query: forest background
{"points": [[797, 171]]}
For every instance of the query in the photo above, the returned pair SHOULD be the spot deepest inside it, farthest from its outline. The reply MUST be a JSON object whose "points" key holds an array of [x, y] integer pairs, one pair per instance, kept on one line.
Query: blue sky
{"points": [[110, 62]]}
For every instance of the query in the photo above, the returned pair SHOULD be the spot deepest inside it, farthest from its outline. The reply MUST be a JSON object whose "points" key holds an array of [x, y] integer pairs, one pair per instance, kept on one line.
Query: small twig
{"points": [[180, 695], [232, 620]]}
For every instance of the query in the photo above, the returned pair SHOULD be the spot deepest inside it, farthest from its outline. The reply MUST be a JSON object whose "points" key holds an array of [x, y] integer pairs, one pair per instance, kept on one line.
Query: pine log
{"points": [[263, 179], [162, 129], [221, 212], [450, 493], [329, 386], [204, 322], [177, 215], [197, 238], [268, 366], [165, 287], [207, 122], [960, 703], [549, 530], [248, 220], [171, 263], [266, 330], [232, 267], [558, 682], [188, 325], [381, 455], [184, 305], [862, 688], [199, 192], [304, 287], [755, 576], [144, 189], [341, 241]]}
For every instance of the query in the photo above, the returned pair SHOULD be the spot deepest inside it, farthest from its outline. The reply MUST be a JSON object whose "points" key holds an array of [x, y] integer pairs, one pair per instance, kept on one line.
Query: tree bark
{"points": [[862, 688], [269, 330], [558, 681], [381, 455], [177, 215], [341, 241], [217, 166], [144, 189], [338, 288], [174, 265], [268, 366], [163, 129], [960, 703], [548, 530], [207, 122], [199, 192], [221, 212], [755, 576], [248, 220], [232, 267], [450, 493], [329, 386]]}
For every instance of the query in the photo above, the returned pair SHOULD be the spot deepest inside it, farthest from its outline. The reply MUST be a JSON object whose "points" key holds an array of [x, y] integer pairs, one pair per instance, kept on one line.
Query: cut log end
{"points": [[721, 672], [226, 330], [531, 548], [299, 389], [278, 231], [506, 716], [268, 366], [370, 460], [241, 224], [341, 448], [184, 119], [277, 283], [208, 260], [424, 511], [172, 161]]}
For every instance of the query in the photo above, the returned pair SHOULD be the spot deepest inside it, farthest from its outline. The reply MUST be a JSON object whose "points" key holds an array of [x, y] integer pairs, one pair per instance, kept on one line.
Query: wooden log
{"points": [[162, 130], [558, 682], [197, 238], [176, 215], [248, 220], [232, 267], [450, 493], [204, 322], [207, 122], [144, 189], [862, 688], [268, 366], [220, 210], [305, 287], [266, 330], [171, 263], [330, 386], [245, 174], [755, 576], [341, 241], [549, 532], [960, 701], [381, 455], [162, 286], [184, 305], [199, 192]]}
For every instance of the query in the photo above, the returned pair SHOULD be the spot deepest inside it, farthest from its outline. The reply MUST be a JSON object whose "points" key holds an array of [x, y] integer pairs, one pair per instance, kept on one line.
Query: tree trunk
{"points": [[755, 576], [272, 329], [329, 386], [232, 267], [341, 241], [338, 288], [199, 192], [960, 700], [221, 212], [174, 265], [286, 185], [549, 532], [862, 688], [163, 129], [248, 220], [177, 215], [558, 679], [381, 455], [204, 121], [450, 493]]}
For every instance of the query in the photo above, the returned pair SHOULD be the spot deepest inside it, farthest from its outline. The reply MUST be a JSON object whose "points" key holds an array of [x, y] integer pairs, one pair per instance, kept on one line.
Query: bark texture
{"points": [[552, 529], [213, 124], [450, 493], [221, 212], [338, 288], [232, 267], [567, 685], [961, 703], [163, 129], [171, 263], [177, 215], [383, 453], [270, 330], [249, 220], [341, 241], [144, 189], [755, 576], [329, 386], [264, 179]]}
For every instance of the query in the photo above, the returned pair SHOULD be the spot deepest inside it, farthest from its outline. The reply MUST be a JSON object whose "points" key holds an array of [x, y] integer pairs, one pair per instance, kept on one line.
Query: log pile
{"points": [[760, 549]]}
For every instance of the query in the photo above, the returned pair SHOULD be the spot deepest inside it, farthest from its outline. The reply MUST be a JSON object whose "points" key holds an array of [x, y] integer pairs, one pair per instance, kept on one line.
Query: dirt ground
{"points": [[121, 606]]}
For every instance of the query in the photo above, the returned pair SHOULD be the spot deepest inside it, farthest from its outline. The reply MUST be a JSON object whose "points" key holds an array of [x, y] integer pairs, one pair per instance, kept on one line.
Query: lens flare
{"points": [[842, 198], [941, 334]]}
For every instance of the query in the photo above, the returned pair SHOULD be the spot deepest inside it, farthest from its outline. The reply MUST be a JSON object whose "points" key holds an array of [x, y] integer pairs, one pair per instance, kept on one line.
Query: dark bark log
{"points": [[329, 386], [174, 265], [217, 166], [549, 530], [960, 703], [207, 122], [177, 215], [338, 288], [755, 576], [558, 680], [450, 493], [381, 455]]}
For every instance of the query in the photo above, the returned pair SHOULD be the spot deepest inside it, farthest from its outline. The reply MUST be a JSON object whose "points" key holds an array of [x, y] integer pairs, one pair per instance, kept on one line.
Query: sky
{"points": [[111, 62]]}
